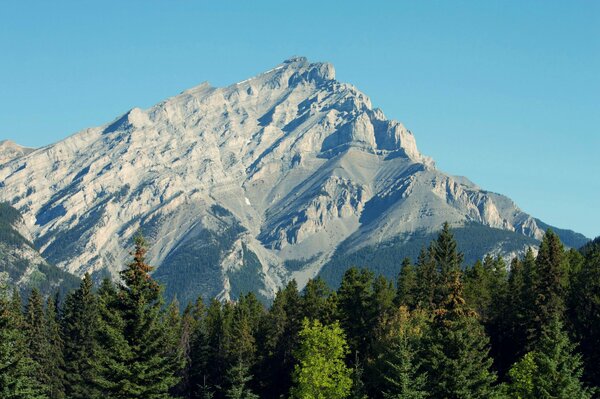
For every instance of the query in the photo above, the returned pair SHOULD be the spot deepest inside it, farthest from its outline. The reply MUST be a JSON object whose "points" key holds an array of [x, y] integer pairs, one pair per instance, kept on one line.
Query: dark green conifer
{"points": [[80, 321], [16, 368], [135, 358], [37, 340], [56, 361], [552, 370], [456, 351], [407, 285], [547, 287]]}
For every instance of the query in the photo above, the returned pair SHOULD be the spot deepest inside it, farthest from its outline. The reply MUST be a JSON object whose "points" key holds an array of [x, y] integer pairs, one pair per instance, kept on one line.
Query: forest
{"points": [[442, 329]]}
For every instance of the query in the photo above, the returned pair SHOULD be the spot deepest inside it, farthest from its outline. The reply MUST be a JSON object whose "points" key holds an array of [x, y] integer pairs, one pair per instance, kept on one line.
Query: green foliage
{"points": [[456, 350], [16, 367], [548, 286], [522, 376], [135, 358], [406, 285], [552, 370], [358, 313], [239, 377], [400, 365], [79, 325], [320, 372], [585, 311]]}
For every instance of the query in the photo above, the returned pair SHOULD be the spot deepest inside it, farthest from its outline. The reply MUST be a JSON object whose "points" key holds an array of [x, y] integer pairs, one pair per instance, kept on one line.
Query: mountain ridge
{"points": [[276, 169]]}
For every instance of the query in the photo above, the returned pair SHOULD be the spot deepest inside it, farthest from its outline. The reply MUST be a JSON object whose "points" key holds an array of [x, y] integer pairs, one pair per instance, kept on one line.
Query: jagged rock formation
{"points": [[242, 187]]}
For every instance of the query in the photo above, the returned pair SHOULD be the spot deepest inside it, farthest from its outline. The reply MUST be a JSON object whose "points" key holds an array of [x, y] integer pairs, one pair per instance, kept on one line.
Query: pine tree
{"points": [[219, 337], [357, 311], [238, 377], [448, 261], [277, 341], [585, 313], [135, 359], [56, 363], [456, 351], [320, 371], [16, 368], [37, 341], [406, 285], [403, 377], [317, 302], [427, 279], [547, 287], [400, 366], [79, 325], [552, 370]]}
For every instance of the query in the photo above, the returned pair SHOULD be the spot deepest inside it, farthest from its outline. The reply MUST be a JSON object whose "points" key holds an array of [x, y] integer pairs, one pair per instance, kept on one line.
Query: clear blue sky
{"points": [[504, 92]]}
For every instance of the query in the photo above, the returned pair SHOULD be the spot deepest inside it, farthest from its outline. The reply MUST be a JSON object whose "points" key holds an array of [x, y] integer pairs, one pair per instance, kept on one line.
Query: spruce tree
{"points": [[56, 363], [456, 350], [552, 370], [357, 311], [16, 368], [37, 341], [406, 285], [277, 341], [317, 302], [403, 377], [448, 261], [401, 370], [239, 378], [135, 359], [79, 324], [427, 279], [585, 313], [547, 287]]}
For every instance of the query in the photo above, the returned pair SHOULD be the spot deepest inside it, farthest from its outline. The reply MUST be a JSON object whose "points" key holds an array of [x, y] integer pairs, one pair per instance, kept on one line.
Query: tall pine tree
{"points": [[135, 359]]}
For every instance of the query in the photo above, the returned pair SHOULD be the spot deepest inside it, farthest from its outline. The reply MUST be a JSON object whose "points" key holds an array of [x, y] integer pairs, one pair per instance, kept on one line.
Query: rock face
{"points": [[242, 187], [21, 265], [10, 150]]}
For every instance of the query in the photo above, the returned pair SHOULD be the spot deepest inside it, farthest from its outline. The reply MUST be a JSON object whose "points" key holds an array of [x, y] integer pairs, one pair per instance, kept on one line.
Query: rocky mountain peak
{"points": [[267, 178]]}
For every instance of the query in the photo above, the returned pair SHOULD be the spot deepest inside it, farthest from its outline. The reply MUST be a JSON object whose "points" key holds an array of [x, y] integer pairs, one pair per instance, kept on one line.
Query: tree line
{"points": [[442, 330]]}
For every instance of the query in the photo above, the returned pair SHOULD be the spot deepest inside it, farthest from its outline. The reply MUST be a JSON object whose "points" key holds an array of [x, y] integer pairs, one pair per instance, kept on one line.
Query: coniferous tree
{"points": [[134, 358], [218, 327], [193, 346], [242, 350], [79, 324], [427, 279], [547, 287], [56, 363], [448, 261], [317, 302], [585, 313], [406, 285], [239, 378], [37, 341], [278, 339], [357, 311], [456, 350], [552, 370], [16, 368], [400, 366]]}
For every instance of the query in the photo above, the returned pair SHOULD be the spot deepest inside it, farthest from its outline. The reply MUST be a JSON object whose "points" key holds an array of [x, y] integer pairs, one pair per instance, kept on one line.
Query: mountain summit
{"points": [[247, 186]]}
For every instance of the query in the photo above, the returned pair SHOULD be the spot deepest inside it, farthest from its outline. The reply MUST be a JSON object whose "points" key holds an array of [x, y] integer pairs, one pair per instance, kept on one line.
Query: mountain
{"points": [[21, 265], [10, 150], [247, 186]]}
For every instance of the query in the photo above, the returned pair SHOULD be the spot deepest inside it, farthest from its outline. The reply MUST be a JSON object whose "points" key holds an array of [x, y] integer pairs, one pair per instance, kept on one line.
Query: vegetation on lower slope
{"points": [[20, 262], [442, 329]]}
